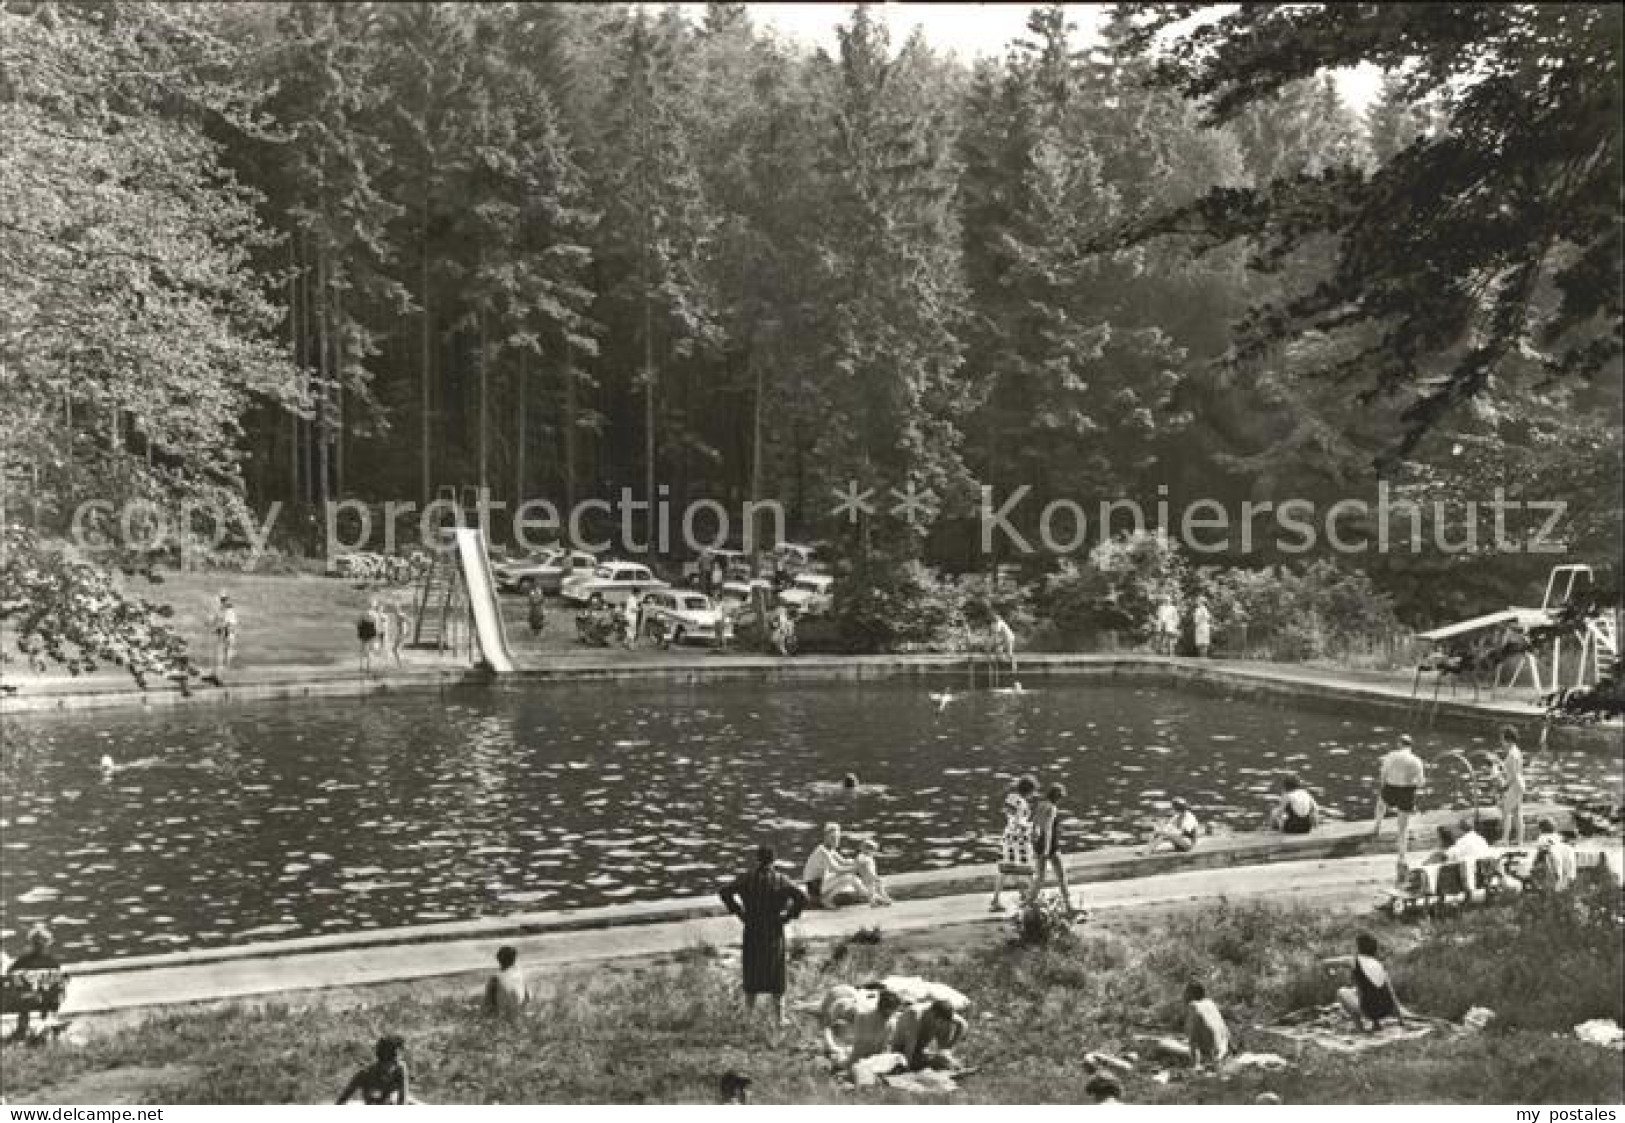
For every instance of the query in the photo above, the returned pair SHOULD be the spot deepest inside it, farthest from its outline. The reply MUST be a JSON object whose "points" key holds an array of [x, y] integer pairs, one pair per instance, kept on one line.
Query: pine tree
{"points": [[656, 227], [891, 291]]}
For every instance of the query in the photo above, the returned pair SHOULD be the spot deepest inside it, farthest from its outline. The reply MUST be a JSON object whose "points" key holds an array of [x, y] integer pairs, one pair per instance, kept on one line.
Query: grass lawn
{"points": [[664, 1034], [301, 620]]}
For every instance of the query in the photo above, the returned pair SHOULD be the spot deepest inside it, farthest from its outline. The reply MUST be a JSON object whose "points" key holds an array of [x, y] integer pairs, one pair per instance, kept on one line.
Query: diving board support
{"points": [[474, 562]]}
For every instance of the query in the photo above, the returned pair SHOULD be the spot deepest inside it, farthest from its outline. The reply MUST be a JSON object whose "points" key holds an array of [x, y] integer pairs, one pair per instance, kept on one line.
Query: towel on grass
{"points": [[1328, 1028]]}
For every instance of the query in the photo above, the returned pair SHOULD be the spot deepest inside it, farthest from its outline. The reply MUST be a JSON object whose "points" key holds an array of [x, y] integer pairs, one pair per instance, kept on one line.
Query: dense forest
{"points": [[299, 252]]}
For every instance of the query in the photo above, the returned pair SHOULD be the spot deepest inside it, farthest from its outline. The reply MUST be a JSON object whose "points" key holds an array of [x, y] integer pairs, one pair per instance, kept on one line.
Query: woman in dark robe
{"points": [[765, 900]]}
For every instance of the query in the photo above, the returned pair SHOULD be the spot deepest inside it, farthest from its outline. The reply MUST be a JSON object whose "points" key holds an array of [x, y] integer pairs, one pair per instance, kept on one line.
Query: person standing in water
{"points": [[1401, 774], [1512, 788]]}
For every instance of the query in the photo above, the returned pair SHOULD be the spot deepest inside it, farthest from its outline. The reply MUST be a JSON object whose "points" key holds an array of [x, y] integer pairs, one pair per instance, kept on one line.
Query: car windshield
{"points": [[696, 603], [604, 573], [809, 584]]}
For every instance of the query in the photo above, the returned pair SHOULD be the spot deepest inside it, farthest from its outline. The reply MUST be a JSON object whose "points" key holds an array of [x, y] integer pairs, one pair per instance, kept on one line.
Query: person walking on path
{"points": [[1402, 773], [1047, 817], [224, 625], [1512, 788], [765, 901], [1016, 843], [1202, 621]]}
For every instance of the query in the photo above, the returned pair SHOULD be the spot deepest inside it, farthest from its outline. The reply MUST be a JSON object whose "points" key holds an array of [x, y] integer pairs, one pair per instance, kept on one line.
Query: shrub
{"points": [[886, 604], [1548, 962], [1117, 590], [1290, 614], [1042, 923]]}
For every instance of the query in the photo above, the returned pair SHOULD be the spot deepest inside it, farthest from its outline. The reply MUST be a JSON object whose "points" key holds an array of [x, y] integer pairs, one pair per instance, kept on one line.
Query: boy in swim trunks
{"points": [[1402, 773]]}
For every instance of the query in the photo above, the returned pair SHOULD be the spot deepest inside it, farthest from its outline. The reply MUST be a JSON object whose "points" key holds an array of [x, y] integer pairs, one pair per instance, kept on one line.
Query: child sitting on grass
{"points": [[383, 1081], [1209, 1037]]}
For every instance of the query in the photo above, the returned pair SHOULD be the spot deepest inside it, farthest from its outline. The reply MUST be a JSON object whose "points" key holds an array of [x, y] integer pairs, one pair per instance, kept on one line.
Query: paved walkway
{"points": [[1345, 882]]}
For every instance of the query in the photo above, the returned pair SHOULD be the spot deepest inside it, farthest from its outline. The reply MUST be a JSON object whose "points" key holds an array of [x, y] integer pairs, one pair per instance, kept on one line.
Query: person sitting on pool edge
{"points": [[1179, 831], [868, 850], [832, 879], [1296, 812]]}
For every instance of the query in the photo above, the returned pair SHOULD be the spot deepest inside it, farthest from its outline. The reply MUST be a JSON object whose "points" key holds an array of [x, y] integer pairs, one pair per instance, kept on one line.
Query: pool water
{"points": [[257, 822]]}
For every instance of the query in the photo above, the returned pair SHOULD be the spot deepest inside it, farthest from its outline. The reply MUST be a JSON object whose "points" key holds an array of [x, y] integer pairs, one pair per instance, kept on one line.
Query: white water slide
{"points": [[482, 599]]}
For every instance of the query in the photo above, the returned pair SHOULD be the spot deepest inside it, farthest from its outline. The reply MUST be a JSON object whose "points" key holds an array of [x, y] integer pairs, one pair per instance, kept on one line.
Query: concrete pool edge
{"points": [[1334, 841], [330, 683], [1288, 681]]}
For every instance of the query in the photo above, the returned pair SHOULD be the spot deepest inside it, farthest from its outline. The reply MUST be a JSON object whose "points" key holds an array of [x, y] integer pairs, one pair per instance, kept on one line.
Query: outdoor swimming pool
{"points": [[252, 822]]}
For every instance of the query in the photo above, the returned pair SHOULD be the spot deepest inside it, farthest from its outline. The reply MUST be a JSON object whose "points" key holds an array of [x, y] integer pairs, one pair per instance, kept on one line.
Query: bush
{"points": [[1549, 962], [887, 604], [1317, 611], [1116, 591], [1042, 923]]}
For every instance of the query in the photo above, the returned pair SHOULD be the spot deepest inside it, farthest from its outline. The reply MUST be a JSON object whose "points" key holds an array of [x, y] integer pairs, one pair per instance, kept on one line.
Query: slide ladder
{"points": [[436, 598]]}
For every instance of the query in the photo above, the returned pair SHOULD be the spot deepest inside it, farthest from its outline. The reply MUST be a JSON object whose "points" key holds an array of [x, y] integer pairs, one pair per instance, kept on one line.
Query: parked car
{"points": [[810, 594], [794, 558], [547, 570], [680, 616], [610, 583], [364, 565], [735, 596], [734, 564]]}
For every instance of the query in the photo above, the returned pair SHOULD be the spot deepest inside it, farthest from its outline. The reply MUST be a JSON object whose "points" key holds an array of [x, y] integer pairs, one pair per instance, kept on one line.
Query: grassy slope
{"points": [[632, 1037]]}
